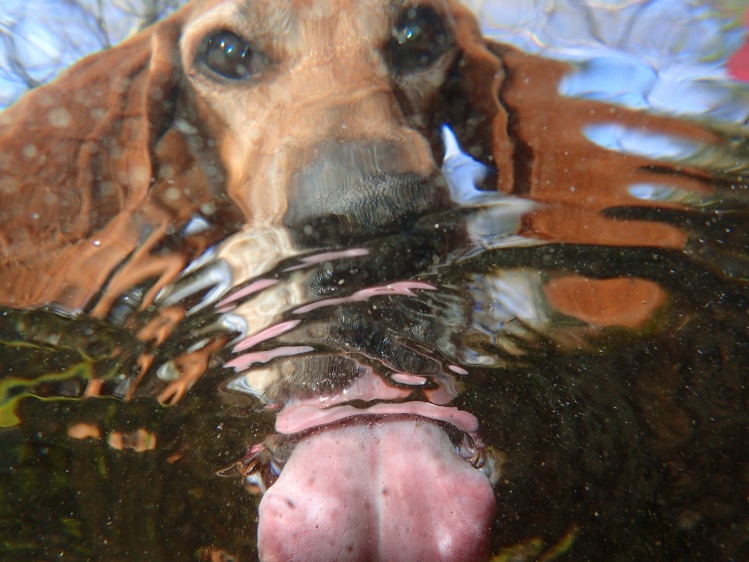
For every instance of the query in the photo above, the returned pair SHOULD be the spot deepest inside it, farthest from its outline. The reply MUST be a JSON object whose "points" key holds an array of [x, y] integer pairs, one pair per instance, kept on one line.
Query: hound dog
{"points": [[238, 117]]}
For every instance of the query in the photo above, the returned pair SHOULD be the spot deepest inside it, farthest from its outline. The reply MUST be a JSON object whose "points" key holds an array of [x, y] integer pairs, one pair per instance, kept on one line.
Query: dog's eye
{"points": [[419, 38], [228, 55]]}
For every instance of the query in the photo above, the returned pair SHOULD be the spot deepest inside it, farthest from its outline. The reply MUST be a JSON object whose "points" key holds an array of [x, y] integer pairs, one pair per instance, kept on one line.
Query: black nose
{"points": [[356, 191]]}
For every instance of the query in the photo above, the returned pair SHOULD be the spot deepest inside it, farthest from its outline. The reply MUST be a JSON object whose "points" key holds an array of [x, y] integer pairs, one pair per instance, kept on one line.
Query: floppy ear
{"points": [[77, 157], [476, 114]]}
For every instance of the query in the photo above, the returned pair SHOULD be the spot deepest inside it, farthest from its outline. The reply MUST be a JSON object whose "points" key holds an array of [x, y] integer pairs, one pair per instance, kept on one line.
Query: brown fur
{"points": [[100, 167]]}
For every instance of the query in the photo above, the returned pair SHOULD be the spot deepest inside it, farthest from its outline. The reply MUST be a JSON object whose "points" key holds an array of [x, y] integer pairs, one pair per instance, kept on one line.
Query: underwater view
{"points": [[377, 280]]}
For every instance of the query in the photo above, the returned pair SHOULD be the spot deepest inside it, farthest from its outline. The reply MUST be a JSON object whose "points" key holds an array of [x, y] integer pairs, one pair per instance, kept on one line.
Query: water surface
{"points": [[592, 313]]}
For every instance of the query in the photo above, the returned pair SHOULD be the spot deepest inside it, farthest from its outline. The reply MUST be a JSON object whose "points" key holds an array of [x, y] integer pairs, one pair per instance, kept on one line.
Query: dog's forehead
{"points": [[281, 20]]}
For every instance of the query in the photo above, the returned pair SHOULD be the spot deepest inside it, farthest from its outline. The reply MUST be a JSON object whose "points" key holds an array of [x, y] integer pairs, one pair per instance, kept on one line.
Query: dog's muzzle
{"points": [[356, 191]]}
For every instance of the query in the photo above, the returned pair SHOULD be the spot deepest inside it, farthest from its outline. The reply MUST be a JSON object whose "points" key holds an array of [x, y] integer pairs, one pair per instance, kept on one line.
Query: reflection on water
{"points": [[581, 332]]}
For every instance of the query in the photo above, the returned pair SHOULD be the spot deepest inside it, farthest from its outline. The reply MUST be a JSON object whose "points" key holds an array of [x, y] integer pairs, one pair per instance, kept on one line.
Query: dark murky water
{"points": [[592, 315]]}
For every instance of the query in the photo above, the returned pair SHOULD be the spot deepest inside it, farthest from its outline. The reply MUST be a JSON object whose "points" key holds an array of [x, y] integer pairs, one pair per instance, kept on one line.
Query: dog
{"points": [[225, 124], [230, 115]]}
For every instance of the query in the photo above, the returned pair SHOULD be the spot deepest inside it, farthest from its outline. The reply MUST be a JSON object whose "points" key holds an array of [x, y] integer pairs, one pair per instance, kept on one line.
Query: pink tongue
{"points": [[393, 490]]}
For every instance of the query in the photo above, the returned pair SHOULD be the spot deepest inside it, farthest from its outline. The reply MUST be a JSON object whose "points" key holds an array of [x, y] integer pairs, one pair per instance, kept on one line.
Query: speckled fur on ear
{"points": [[76, 156]]}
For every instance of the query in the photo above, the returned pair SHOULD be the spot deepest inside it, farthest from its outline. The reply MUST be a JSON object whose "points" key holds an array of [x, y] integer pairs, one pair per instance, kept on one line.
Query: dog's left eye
{"points": [[419, 38], [228, 55]]}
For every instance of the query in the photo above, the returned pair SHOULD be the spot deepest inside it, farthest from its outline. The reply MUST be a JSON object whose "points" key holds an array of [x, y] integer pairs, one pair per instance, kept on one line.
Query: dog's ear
{"points": [[474, 110], [75, 155]]}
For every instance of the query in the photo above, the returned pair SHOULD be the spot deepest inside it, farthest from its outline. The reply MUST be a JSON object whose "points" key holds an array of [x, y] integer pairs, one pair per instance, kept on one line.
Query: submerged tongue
{"points": [[391, 490]]}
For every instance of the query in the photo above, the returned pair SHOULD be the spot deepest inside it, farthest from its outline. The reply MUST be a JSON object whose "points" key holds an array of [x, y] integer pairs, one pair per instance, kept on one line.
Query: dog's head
{"points": [[324, 111]]}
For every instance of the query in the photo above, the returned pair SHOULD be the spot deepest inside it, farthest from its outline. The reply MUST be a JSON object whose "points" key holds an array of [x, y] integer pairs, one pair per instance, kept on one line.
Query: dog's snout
{"points": [[337, 162], [358, 189]]}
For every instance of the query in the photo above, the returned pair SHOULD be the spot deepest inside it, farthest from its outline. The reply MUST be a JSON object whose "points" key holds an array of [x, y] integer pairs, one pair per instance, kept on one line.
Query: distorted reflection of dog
{"points": [[231, 115]]}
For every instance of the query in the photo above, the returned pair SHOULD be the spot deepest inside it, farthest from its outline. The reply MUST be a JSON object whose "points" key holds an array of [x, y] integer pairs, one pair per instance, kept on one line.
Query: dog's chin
{"points": [[371, 206]]}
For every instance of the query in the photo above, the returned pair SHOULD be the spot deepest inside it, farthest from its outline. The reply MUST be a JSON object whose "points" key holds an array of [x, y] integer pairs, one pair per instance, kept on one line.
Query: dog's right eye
{"points": [[228, 55], [419, 39]]}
